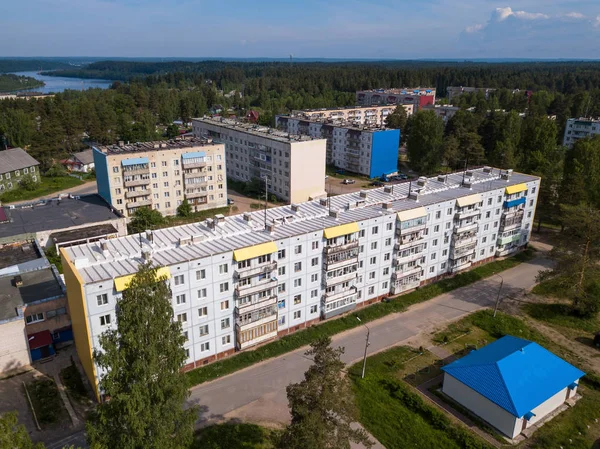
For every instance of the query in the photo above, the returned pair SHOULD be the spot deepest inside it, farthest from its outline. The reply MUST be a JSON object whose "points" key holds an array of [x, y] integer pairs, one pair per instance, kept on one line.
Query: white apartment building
{"points": [[367, 150], [294, 165], [417, 97], [161, 174], [236, 282], [445, 111], [353, 115], [580, 128]]}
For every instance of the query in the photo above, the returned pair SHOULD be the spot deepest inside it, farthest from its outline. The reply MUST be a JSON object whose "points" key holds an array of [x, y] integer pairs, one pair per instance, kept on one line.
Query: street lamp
{"points": [[366, 346], [498, 297]]}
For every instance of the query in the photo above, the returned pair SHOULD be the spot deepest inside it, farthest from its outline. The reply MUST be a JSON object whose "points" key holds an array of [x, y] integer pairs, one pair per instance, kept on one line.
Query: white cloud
{"points": [[575, 15], [502, 14], [474, 29], [597, 22]]}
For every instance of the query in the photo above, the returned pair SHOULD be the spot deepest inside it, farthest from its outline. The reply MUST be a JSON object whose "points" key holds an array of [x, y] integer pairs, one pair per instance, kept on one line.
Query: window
{"points": [[372, 275], [200, 275], [297, 282], [435, 242], [445, 252], [384, 285], [205, 347], [386, 257], [225, 323], [224, 287], [115, 169], [225, 305], [531, 202], [488, 214], [187, 353], [226, 340], [40, 317], [297, 267], [443, 266], [281, 288], [489, 202], [281, 254], [438, 215], [315, 244], [374, 230], [361, 233], [186, 335], [102, 299], [371, 290], [223, 268], [431, 269], [533, 190], [314, 277], [449, 211], [202, 293], [314, 293], [432, 256], [436, 228], [297, 299], [203, 330], [182, 317], [373, 245], [486, 227], [313, 309], [389, 226], [373, 260], [483, 240], [202, 311], [179, 279], [104, 320], [298, 249], [297, 314], [281, 271], [180, 299], [281, 304], [314, 262]]}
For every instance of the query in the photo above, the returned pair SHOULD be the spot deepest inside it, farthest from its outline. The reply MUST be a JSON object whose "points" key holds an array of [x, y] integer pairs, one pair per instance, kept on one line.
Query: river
{"points": [[60, 83]]}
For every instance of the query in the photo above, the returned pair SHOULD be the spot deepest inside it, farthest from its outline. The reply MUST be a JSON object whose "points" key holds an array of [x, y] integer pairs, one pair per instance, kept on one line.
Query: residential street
{"points": [[257, 393]]}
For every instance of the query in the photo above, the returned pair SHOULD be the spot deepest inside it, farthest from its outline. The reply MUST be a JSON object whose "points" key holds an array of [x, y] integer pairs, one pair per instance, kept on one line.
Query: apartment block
{"points": [[580, 128], [445, 111], [161, 174], [366, 150], [417, 97], [294, 165], [241, 280], [354, 115], [15, 165]]}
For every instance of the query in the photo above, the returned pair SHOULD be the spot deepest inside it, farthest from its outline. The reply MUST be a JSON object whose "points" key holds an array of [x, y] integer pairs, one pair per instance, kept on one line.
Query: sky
{"points": [[390, 29]]}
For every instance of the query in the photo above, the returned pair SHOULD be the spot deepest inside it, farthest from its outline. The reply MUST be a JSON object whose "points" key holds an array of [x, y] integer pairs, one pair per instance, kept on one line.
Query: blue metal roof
{"points": [[516, 374], [135, 161], [193, 155]]}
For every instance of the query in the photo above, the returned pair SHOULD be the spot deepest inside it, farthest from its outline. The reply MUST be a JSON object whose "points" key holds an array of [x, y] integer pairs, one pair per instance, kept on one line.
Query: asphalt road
{"points": [[258, 392]]}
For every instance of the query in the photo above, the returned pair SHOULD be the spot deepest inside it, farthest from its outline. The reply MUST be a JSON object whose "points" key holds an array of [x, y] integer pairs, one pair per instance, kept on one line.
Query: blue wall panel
{"points": [[101, 167], [384, 153], [63, 335]]}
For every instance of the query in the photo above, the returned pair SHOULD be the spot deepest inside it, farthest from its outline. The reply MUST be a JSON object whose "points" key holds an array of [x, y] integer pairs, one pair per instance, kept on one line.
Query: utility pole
{"points": [[498, 296], [366, 347]]}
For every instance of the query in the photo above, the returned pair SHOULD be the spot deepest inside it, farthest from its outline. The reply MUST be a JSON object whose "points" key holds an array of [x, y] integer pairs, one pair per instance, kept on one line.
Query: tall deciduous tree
{"points": [[425, 142], [14, 435], [141, 362], [582, 173], [397, 119], [145, 218], [322, 405]]}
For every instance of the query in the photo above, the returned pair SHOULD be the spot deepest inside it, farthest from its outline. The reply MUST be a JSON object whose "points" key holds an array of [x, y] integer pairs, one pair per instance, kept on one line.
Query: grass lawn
{"points": [[566, 426], [46, 186], [561, 315], [236, 436], [397, 415], [46, 400], [332, 327]]}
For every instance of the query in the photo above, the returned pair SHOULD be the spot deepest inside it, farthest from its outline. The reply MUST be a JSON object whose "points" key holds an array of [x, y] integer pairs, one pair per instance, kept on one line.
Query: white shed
{"points": [[511, 383]]}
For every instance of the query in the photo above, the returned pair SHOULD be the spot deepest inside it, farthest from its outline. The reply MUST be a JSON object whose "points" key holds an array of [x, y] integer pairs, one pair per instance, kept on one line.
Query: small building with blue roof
{"points": [[511, 383]]}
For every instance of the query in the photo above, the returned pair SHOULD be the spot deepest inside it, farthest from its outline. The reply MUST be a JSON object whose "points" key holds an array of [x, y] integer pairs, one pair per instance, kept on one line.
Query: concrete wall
{"points": [[550, 405], [102, 175], [307, 170], [120, 225], [51, 324], [481, 406], [14, 352], [384, 152]]}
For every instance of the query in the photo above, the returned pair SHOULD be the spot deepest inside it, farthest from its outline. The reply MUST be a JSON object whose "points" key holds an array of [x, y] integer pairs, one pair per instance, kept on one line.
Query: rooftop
{"points": [[515, 374], [37, 286], [257, 130], [402, 91], [85, 157], [193, 241], [17, 253], [15, 159], [338, 123], [156, 145], [343, 108], [83, 233], [586, 119], [54, 214]]}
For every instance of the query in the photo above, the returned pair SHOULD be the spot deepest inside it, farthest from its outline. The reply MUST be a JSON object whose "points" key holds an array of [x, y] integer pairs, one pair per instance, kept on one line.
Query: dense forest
{"points": [[10, 82], [30, 65]]}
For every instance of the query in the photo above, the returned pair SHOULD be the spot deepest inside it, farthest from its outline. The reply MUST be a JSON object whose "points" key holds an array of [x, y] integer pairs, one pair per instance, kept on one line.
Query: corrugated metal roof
{"points": [[515, 374], [15, 159], [124, 253]]}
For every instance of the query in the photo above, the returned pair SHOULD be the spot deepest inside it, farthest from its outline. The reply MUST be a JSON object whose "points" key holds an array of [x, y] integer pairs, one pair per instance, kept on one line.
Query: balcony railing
{"points": [[397, 275], [137, 182], [133, 205], [329, 297], [509, 239], [254, 270], [466, 228], [193, 165], [514, 203], [192, 194], [411, 230], [246, 290], [506, 251], [339, 306], [464, 241], [339, 263], [409, 244], [255, 304], [338, 279], [137, 193], [256, 317], [139, 171], [399, 260], [331, 249], [399, 288], [462, 251], [466, 214], [463, 265]]}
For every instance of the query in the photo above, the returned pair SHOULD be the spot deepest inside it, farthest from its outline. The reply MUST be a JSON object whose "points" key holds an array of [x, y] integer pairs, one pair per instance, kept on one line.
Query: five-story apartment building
{"points": [[161, 174], [241, 280]]}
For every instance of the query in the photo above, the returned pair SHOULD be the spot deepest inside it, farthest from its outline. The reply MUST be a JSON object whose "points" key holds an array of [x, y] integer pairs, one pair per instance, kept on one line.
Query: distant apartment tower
{"points": [[369, 151], [356, 115], [293, 165], [457, 91], [161, 174], [418, 97], [580, 128], [445, 111]]}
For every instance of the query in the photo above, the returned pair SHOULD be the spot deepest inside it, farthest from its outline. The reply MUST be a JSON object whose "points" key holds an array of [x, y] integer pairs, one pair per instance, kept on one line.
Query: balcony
{"points": [[461, 265], [399, 260], [264, 337], [250, 289], [411, 230], [339, 263], [137, 193], [408, 244], [514, 203], [461, 242], [329, 297], [137, 182], [253, 271], [190, 165], [459, 252], [194, 180], [139, 171], [255, 304], [399, 288], [467, 213], [332, 249], [509, 239], [133, 205], [510, 225], [466, 228], [339, 279], [339, 306], [251, 318], [507, 251], [192, 194], [397, 275]]}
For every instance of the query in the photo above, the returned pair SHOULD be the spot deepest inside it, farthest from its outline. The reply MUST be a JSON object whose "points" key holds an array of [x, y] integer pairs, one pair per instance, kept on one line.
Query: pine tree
{"points": [[322, 405], [141, 362]]}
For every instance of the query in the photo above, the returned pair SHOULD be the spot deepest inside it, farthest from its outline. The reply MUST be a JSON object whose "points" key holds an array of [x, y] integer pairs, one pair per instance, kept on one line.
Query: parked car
{"points": [[377, 184], [230, 202], [348, 181], [402, 176]]}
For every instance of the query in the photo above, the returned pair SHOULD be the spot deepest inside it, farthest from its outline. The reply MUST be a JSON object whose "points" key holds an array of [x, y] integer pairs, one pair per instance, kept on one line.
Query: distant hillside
{"points": [[30, 65], [10, 82]]}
